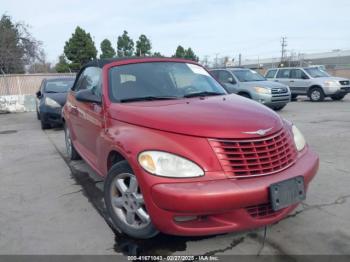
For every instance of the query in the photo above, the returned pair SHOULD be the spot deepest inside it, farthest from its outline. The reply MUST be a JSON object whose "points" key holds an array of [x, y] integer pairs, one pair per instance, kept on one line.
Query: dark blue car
{"points": [[51, 97]]}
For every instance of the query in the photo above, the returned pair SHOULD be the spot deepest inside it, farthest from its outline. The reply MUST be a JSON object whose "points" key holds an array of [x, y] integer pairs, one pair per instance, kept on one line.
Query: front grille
{"points": [[264, 156], [262, 211], [279, 90], [344, 82], [347, 89]]}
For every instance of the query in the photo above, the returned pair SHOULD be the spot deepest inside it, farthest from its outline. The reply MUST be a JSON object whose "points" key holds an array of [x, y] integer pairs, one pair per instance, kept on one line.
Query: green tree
{"points": [[125, 45], [62, 66], [143, 46], [180, 52], [107, 49], [18, 47], [190, 55], [80, 49], [157, 54]]}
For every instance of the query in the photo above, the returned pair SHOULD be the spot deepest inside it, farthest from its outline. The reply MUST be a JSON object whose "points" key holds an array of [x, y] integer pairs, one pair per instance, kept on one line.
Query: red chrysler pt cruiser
{"points": [[178, 154]]}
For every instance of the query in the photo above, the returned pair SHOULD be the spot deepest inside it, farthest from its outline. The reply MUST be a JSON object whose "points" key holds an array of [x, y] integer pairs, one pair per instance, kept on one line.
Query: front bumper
{"points": [[221, 206], [273, 100], [343, 90], [51, 115]]}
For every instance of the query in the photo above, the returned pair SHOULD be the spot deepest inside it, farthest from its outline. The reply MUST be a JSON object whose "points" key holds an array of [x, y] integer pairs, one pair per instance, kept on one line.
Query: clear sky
{"points": [[250, 27]]}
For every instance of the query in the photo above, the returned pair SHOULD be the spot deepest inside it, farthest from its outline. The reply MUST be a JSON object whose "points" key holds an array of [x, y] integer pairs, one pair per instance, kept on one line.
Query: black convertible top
{"points": [[102, 62]]}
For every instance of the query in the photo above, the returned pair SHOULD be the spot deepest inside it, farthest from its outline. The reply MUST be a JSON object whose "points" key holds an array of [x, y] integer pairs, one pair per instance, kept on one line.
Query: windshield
{"points": [[160, 80], [248, 75], [59, 86], [315, 72]]}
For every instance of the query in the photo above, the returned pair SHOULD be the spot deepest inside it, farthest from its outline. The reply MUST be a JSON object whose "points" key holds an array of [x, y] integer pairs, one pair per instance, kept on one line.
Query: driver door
{"points": [[89, 119]]}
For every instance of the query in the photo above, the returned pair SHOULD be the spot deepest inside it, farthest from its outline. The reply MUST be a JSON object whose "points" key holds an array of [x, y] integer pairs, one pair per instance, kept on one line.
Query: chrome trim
{"points": [[247, 140]]}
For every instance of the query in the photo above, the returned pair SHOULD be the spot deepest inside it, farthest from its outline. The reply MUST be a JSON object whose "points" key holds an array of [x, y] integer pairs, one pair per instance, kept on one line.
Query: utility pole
{"points": [[240, 60], [283, 47], [216, 60]]}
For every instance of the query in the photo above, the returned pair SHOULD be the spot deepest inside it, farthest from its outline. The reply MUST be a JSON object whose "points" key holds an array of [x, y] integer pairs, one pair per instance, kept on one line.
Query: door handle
{"points": [[291, 81], [276, 80]]}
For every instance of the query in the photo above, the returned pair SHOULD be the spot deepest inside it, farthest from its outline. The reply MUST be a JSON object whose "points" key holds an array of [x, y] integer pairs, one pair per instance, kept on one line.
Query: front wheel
{"points": [[316, 94], [278, 108], [71, 151], [125, 203]]}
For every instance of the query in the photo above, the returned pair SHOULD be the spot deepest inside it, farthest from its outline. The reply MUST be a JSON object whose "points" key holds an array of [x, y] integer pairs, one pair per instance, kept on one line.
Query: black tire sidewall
{"points": [[117, 169]]}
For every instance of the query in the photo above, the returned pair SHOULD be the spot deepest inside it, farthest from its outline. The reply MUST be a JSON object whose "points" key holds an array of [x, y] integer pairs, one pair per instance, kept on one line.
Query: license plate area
{"points": [[287, 192]]}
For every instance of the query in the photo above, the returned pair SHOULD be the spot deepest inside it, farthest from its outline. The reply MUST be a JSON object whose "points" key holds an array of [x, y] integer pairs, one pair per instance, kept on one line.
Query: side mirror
{"points": [[38, 94], [230, 80], [304, 77], [88, 97]]}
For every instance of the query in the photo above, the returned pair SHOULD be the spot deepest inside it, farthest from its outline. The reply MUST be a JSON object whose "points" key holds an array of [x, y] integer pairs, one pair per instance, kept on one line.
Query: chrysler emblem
{"points": [[259, 132]]}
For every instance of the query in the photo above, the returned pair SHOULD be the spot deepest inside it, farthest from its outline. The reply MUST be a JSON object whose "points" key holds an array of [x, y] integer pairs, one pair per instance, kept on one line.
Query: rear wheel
{"points": [[316, 94], [125, 203], [337, 97], [294, 97], [71, 152]]}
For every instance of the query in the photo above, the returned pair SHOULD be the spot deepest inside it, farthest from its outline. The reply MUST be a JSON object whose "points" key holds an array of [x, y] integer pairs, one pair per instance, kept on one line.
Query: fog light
{"points": [[185, 218]]}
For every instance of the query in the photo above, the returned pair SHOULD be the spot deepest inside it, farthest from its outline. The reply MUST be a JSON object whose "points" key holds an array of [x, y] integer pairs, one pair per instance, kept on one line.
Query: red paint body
{"points": [[184, 127]]}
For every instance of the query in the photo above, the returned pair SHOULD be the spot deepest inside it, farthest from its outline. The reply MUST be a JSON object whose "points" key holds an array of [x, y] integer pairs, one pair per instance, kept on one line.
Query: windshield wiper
{"points": [[147, 98], [204, 93], [51, 92]]}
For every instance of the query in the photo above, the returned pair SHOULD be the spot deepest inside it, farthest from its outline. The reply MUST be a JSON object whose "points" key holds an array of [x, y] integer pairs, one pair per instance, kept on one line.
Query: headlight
{"points": [[299, 139], [168, 165], [262, 90], [331, 83], [52, 103]]}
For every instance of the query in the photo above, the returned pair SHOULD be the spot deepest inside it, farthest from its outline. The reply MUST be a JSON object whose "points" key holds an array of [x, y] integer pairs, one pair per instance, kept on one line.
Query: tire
{"points": [[44, 125], [71, 151], [294, 97], [316, 94], [125, 204], [278, 108], [337, 97], [245, 95]]}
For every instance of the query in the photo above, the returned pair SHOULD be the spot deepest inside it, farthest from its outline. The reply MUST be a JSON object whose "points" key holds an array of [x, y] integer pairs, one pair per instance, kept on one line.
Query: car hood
{"points": [[266, 84], [60, 98], [226, 116]]}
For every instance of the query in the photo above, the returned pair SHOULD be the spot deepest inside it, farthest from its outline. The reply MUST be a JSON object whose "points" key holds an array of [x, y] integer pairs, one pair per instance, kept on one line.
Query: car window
{"points": [[58, 86], [215, 74], [225, 77], [160, 79], [283, 73], [271, 73], [298, 74], [90, 78], [247, 75]]}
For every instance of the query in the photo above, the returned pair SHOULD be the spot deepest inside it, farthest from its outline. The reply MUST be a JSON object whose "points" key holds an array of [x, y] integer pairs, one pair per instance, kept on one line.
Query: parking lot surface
{"points": [[49, 205]]}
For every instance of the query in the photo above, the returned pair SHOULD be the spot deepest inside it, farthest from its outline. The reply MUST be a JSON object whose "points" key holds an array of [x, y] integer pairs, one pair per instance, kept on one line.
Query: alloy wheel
{"points": [[68, 142], [315, 95], [127, 201]]}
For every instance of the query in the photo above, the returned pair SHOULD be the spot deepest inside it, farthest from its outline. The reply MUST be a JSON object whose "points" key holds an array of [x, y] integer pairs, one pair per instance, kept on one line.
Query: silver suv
{"points": [[311, 81], [250, 84]]}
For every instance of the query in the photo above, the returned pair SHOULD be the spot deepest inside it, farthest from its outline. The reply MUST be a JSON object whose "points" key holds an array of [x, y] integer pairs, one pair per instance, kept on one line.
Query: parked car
{"points": [[311, 81], [51, 97], [178, 154], [250, 84]]}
